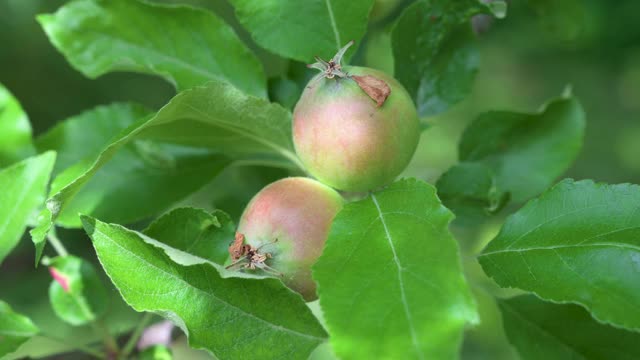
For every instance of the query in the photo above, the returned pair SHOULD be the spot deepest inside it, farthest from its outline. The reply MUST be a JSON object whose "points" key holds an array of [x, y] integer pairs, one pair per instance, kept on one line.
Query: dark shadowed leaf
{"points": [[303, 29], [195, 231], [253, 319], [184, 45], [389, 279], [579, 242], [527, 152], [88, 133], [469, 190], [22, 189], [434, 51], [542, 330], [145, 175], [564, 20], [15, 329], [15, 130], [76, 292]]}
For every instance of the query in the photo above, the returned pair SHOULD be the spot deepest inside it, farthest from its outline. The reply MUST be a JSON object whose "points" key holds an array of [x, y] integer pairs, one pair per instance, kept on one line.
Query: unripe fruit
{"points": [[348, 133], [297, 212]]}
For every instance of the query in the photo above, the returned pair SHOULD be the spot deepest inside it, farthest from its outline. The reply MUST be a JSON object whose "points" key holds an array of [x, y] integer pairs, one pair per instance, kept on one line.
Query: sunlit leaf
{"points": [[15, 130], [252, 318], [389, 279], [579, 242], [184, 45], [22, 189], [303, 29]]}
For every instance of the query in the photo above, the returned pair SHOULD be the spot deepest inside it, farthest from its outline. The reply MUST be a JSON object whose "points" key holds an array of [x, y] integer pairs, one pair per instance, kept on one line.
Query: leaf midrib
{"points": [[21, 197], [239, 310], [399, 267], [334, 25], [579, 245]]}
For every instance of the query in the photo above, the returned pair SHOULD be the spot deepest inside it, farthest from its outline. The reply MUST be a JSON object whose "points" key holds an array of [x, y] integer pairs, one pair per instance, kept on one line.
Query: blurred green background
{"points": [[532, 55]]}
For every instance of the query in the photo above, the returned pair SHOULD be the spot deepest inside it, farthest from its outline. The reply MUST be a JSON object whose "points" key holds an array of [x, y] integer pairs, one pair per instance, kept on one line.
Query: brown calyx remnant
{"points": [[246, 256], [377, 89]]}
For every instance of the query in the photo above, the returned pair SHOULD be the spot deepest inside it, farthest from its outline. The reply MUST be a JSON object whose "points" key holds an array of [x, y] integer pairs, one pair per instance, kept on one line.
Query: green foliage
{"points": [[577, 243], [303, 29], [15, 329], [215, 118], [469, 190], [390, 281], [196, 232], [541, 330], [253, 318], [157, 352], [76, 292], [435, 53], [527, 152], [29, 295], [15, 130], [85, 135], [146, 175], [98, 37], [22, 190]]}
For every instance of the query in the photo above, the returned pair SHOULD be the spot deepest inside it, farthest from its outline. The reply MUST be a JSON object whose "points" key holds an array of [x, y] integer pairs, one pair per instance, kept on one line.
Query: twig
{"points": [[56, 243], [135, 335]]}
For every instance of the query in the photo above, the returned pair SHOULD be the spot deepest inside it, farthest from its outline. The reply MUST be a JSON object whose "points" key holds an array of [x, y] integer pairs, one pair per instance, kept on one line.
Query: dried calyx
{"points": [[332, 68], [245, 256], [376, 89]]}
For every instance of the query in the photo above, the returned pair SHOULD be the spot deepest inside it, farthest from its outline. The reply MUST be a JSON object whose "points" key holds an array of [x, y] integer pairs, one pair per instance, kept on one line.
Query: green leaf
{"points": [[252, 318], [216, 116], [527, 152], [22, 190], [28, 295], [469, 190], [15, 329], [196, 232], [184, 45], [146, 175], [156, 352], [390, 280], [579, 242], [564, 20], [15, 130], [76, 292], [240, 184], [85, 135], [303, 29], [435, 54], [541, 330]]}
